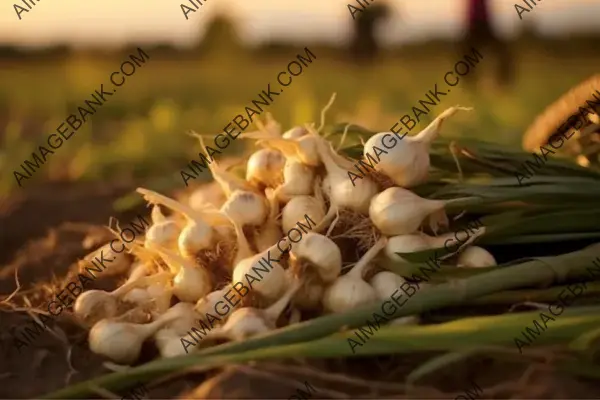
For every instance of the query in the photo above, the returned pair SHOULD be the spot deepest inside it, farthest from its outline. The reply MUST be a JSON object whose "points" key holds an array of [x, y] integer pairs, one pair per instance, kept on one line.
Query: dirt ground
{"points": [[42, 235]]}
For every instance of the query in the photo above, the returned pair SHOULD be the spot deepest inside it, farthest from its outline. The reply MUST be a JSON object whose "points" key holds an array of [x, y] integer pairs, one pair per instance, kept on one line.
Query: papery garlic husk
{"points": [[350, 290], [298, 208], [343, 192], [198, 233], [94, 305], [163, 234], [302, 149], [386, 283], [298, 180], [186, 317], [270, 232], [409, 243], [209, 194], [168, 342], [208, 303], [295, 133], [273, 281], [407, 158], [398, 211], [265, 167], [246, 208], [247, 321], [321, 253], [122, 341], [190, 283], [476, 257]]}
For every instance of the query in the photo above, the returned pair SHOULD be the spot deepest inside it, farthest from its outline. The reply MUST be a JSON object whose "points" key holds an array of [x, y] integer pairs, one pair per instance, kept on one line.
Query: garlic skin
{"points": [[397, 211], [246, 208], [350, 291], [407, 162], [168, 343], [299, 206], [193, 238], [265, 167], [184, 316], [270, 232], [191, 284], [410, 243], [163, 234], [295, 133], [344, 193], [386, 283], [208, 303], [309, 296], [272, 283], [298, 180], [321, 253], [120, 264], [122, 341], [476, 257], [93, 305]]}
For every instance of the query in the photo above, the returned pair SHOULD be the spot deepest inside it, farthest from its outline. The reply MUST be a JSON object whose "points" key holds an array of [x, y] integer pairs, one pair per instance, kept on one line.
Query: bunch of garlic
{"points": [[184, 273]]}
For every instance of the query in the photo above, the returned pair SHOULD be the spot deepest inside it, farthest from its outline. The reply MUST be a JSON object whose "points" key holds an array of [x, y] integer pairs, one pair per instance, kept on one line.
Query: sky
{"points": [[118, 22]]}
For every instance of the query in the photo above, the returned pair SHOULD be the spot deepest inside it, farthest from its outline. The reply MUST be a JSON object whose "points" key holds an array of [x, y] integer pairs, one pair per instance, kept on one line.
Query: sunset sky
{"points": [[110, 22]]}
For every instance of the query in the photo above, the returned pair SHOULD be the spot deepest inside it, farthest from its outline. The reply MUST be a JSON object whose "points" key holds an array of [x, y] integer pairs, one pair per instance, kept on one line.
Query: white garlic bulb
{"points": [[350, 290], [122, 341], [265, 167], [476, 257], [398, 211], [386, 283], [246, 208], [407, 158], [297, 209], [273, 280], [321, 253], [409, 243]]}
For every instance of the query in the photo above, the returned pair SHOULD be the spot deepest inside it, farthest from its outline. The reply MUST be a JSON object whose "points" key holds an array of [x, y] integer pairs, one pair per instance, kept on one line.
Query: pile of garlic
{"points": [[194, 254]]}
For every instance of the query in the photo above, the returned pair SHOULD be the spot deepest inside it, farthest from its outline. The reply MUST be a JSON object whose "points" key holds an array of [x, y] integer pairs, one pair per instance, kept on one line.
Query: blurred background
{"points": [[203, 71]]}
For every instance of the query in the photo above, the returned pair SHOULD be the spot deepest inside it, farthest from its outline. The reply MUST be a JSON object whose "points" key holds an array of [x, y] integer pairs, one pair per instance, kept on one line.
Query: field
{"points": [[139, 139]]}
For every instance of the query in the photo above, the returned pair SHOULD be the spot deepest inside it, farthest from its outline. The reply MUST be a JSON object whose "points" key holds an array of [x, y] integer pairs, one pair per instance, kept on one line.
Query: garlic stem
{"points": [[274, 310], [357, 270], [432, 131]]}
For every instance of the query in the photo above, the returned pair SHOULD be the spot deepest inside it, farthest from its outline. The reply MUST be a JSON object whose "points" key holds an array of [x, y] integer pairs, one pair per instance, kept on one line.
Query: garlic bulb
{"points": [[267, 283], [190, 282], [122, 341], [344, 193], [350, 290], [265, 167], [197, 234], [410, 243], [247, 321], [386, 283], [321, 253], [270, 232], [302, 149], [208, 303], [246, 208], [164, 233], [186, 316], [476, 257], [298, 180], [168, 342], [93, 305], [398, 211], [299, 206], [309, 295], [407, 158]]}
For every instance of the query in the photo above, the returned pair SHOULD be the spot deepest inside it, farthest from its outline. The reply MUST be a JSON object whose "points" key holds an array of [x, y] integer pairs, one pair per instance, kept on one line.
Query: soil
{"points": [[43, 234]]}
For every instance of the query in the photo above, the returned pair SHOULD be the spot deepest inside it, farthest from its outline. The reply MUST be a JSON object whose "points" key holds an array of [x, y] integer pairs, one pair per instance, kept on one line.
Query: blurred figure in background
{"points": [[363, 45], [480, 34]]}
